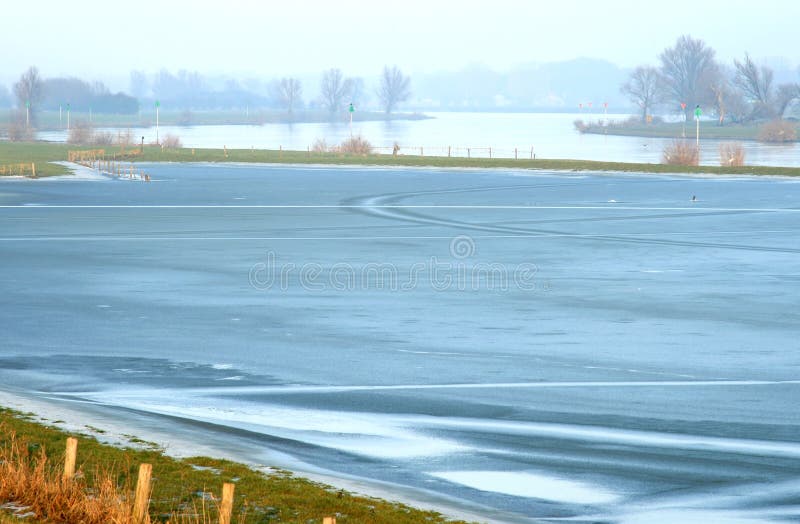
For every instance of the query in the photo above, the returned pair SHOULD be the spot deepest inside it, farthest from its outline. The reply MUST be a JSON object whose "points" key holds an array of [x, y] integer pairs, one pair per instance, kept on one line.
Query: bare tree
{"points": [[718, 79], [28, 89], [685, 71], [5, 97], [756, 85], [394, 88], [358, 91], [289, 91], [643, 88], [787, 93], [334, 89]]}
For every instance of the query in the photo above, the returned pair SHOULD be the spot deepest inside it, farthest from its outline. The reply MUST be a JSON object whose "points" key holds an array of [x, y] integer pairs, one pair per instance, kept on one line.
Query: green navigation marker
{"points": [[698, 112], [352, 109], [158, 103]]}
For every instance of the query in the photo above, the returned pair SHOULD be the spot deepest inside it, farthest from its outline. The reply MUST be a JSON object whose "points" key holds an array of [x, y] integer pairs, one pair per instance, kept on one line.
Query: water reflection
{"points": [[508, 135]]}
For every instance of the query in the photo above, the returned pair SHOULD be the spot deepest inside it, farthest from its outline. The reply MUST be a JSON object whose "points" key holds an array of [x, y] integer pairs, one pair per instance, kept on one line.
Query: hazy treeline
{"points": [[336, 91], [689, 75], [740, 92], [37, 93], [189, 90]]}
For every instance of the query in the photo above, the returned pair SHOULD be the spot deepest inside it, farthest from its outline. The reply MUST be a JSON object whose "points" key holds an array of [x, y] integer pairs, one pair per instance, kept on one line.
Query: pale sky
{"points": [[106, 39]]}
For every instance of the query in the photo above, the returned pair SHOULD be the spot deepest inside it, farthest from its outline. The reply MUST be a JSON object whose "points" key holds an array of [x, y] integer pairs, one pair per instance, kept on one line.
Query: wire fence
{"points": [[519, 153]]}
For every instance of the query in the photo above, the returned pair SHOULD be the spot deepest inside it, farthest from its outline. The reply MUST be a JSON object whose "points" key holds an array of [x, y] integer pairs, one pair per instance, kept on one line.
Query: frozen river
{"points": [[529, 345]]}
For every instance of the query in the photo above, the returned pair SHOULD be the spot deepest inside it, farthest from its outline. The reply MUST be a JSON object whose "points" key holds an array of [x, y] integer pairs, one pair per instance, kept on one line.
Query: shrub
{"points": [[356, 145], [18, 130], [80, 133], [103, 139], [731, 154], [125, 138], [681, 153], [319, 146], [171, 141], [777, 131]]}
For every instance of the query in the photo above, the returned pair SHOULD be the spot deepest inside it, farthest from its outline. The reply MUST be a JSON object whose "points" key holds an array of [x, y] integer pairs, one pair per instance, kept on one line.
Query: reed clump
{"points": [[681, 153]]}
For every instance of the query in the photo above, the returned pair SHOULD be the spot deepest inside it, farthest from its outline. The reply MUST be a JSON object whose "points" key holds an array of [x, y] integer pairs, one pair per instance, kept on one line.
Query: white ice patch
{"points": [[358, 433], [530, 485], [689, 516]]}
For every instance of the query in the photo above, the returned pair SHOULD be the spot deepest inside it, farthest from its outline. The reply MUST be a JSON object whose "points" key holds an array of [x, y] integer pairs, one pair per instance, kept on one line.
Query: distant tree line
{"points": [[688, 75], [34, 93], [190, 90], [83, 96]]}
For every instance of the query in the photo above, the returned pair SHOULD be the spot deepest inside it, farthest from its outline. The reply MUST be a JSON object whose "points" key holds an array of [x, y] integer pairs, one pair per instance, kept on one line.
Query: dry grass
{"points": [[356, 145], [777, 131], [34, 486], [681, 153], [731, 154], [320, 146], [30, 480], [171, 142]]}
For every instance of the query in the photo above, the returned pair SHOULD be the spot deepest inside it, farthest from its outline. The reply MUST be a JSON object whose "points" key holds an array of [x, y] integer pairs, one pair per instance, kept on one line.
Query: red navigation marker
{"points": [[683, 105]]}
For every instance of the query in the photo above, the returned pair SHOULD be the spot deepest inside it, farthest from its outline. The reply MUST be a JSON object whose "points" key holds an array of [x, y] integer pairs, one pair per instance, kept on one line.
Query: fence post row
{"points": [[141, 502]]}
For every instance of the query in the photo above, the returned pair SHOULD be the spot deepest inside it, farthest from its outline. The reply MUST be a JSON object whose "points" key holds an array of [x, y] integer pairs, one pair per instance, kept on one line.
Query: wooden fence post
{"points": [[515, 154], [448, 151], [490, 152], [33, 169], [468, 153], [226, 506], [142, 499], [70, 458]]}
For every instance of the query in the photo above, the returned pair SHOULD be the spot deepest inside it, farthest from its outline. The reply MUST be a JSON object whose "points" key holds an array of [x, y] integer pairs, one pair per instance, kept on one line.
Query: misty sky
{"points": [[101, 39]]}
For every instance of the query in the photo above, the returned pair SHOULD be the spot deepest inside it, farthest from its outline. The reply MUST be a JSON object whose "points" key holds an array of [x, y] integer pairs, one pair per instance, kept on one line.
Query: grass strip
{"points": [[181, 486], [44, 152]]}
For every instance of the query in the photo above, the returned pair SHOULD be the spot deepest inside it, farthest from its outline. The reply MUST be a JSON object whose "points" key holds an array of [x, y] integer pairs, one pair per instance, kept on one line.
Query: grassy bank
{"points": [[43, 152], [708, 130], [179, 486]]}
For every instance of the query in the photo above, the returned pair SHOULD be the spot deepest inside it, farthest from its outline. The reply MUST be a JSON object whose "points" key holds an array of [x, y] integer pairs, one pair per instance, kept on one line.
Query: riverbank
{"points": [[43, 154], [185, 471], [677, 130]]}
